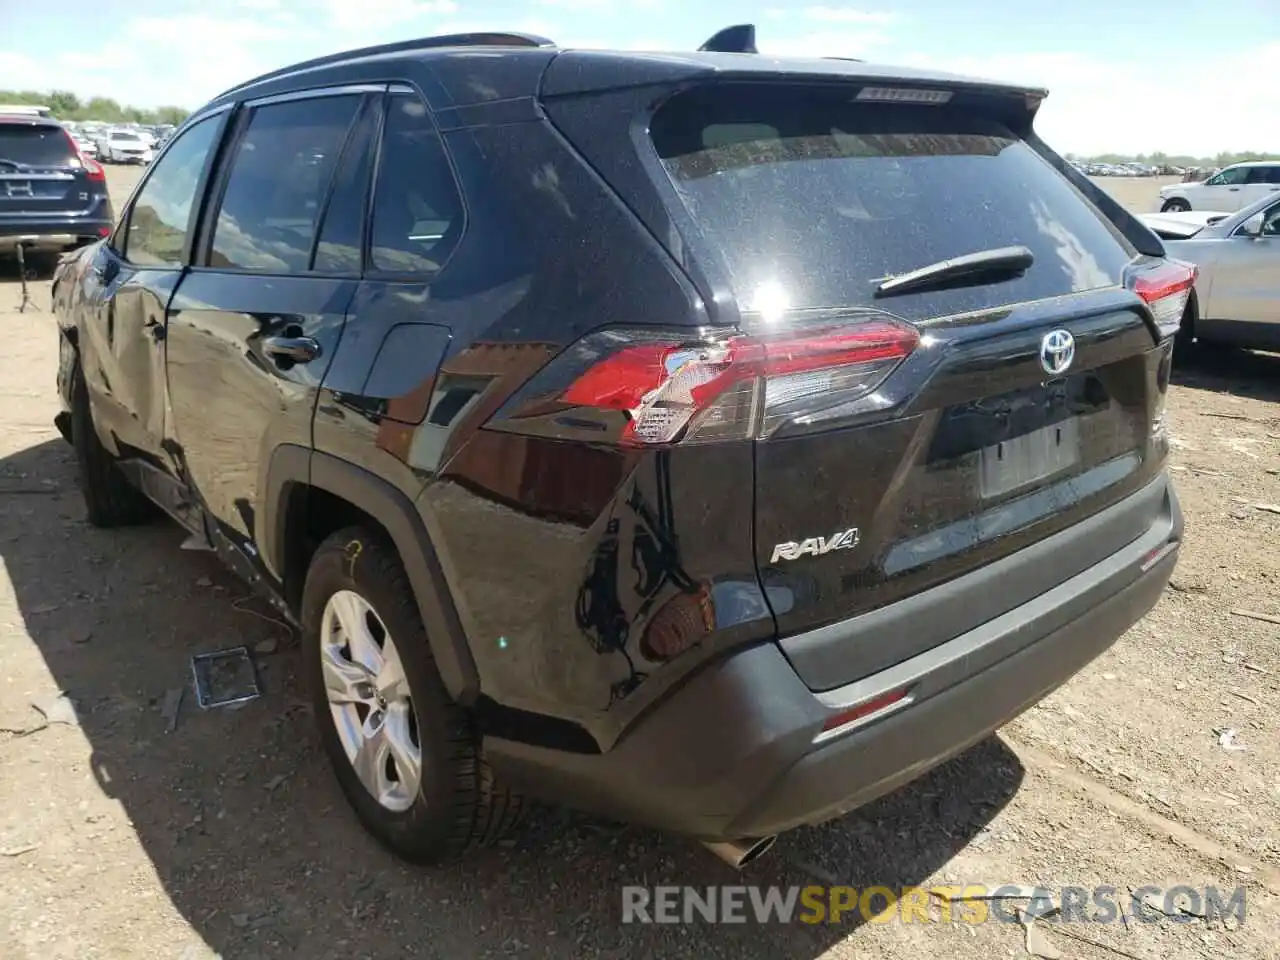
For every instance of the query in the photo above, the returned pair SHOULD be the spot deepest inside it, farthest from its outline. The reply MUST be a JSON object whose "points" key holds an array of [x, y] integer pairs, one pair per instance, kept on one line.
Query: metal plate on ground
{"points": [[225, 677], [1021, 461]]}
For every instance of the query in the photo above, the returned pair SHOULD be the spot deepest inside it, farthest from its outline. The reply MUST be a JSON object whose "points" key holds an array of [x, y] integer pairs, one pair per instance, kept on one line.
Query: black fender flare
{"points": [[291, 465]]}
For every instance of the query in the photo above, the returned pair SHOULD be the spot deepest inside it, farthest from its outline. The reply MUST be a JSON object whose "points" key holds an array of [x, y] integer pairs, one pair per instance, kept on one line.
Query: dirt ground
{"points": [[227, 836]]}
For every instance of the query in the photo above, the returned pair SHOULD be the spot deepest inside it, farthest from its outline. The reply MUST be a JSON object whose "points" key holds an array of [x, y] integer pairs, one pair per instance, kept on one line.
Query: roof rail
{"points": [[736, 39], [494, 39]]}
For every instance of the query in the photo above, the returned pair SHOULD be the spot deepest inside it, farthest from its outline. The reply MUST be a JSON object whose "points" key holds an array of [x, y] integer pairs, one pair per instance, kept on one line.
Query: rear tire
{"points": [[1176, 205], [109, 499], [357, 586]]}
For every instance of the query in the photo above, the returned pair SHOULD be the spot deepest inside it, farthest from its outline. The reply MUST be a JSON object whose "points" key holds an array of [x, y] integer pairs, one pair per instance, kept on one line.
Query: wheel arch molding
{"points": [[282, 527]]}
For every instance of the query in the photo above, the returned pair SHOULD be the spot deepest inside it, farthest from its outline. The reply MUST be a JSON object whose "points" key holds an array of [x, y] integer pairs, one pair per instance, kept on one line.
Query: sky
{"points": [[1129, 76]]}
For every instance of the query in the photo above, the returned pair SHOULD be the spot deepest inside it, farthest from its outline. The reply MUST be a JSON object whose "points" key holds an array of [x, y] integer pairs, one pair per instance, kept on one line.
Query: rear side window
{"points": [[279, 177], [811, 198], [34, 145], [417, 211]]}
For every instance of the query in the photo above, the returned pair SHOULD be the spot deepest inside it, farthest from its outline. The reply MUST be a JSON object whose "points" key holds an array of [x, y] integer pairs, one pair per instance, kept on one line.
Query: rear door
{"points": [[1263, 181], [397, 328], [1020, 404], [1224, 191], [253, 327], [42, 177]]}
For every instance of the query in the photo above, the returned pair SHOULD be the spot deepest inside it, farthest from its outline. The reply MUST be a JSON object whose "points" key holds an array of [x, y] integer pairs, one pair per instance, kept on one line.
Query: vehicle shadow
{"points": [[249, 835], [1240, 373]]}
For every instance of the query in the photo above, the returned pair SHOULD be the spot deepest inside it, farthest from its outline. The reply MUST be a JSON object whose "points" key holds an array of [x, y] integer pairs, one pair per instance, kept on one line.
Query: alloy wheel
{"points": [[370, 701]]}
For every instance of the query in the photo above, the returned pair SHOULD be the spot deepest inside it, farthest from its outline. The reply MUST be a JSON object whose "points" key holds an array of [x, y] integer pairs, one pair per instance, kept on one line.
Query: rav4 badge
{"points": [[816, 546]]}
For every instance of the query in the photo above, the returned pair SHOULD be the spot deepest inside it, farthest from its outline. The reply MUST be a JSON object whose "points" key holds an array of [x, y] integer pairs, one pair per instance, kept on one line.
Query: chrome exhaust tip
{"points": [[738, 853]]}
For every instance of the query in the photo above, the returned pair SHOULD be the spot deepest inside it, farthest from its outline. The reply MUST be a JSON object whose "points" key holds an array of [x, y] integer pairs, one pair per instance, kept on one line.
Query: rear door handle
{"points": [[291, 350]]}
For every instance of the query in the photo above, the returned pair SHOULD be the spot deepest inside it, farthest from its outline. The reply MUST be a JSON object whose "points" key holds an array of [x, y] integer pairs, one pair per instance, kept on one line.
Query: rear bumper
{"points": [[739, 751], [51, 235]]}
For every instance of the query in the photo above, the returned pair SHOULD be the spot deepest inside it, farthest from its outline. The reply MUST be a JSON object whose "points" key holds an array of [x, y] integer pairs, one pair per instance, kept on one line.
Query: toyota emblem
{"points": [[1057, 350]]}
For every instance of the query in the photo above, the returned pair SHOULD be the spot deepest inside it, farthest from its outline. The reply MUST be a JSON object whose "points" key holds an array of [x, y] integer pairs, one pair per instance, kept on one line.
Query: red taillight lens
{"points": [[742, 386], [1166, 288], [92, 167]]}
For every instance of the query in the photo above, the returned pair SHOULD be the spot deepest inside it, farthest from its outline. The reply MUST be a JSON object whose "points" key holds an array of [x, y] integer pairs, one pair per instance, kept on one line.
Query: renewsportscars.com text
{"points": [[972, 904]]}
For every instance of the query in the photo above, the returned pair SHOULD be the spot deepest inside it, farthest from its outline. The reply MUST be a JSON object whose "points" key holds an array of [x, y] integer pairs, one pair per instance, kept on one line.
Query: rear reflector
{"points": [[741, 387], [1153, 557], [679, 624], [1166, 290], [864, 712]]}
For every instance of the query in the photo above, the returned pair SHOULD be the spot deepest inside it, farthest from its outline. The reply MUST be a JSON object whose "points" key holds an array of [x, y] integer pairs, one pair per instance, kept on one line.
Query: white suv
{"points": [[1229, 190]]}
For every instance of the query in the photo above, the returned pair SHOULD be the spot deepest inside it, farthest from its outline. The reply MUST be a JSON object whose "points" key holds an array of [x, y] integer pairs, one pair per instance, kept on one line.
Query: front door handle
{"points": [[286, 351]]}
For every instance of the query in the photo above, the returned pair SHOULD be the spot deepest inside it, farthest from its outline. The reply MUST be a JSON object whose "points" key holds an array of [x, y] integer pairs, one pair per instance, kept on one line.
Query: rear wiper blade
{"points": [[1003, 262], [15, 164]]}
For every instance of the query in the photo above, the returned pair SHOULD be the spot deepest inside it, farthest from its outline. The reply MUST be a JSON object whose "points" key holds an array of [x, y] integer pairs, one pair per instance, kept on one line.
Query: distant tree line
{"points": [[68, 106], [1224, 159]]}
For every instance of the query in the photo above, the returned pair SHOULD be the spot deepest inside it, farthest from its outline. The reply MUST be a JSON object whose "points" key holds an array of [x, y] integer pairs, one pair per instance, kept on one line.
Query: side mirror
{"points": [[1252, 227]]}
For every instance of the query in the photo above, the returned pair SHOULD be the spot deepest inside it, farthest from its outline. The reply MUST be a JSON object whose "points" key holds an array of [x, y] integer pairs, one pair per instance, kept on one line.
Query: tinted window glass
{"points": [[1271, 174], [1271, 222], [279, 177], [1233, 176], [36, 146], [811, 199], [417, 212], [161, 213], [338, 250]]}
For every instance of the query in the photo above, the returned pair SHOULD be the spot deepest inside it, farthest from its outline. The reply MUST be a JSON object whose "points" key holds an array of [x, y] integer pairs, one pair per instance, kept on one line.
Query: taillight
{"points": [[1166, 288], [92, 168], [741, 386]]}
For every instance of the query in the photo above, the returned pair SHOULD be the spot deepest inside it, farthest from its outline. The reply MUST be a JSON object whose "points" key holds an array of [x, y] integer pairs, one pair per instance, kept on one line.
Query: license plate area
{"points": [[1021, 461]]}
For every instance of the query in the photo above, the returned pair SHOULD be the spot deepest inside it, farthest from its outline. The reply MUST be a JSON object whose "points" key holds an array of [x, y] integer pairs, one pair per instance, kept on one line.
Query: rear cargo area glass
{"points": [[811, 197], [34, 146]]}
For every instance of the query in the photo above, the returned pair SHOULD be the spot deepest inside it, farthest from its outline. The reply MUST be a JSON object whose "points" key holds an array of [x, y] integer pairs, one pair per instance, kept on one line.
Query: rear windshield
{"points": [[811, 198], [33, 145]]}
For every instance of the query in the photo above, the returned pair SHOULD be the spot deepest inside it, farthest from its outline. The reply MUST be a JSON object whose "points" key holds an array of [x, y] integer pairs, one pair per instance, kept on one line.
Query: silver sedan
{"points": [[1238, 290]]}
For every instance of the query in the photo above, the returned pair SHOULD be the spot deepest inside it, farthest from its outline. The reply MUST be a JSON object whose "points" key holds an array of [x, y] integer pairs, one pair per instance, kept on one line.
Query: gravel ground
{"points": [[227, 836]]}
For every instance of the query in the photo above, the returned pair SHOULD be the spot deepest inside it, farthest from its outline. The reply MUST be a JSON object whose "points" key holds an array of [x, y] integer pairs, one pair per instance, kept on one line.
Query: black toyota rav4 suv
{"points": [[703, 440]]}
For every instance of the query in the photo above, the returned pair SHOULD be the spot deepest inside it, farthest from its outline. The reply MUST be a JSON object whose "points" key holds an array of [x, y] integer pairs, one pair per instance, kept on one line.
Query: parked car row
{"points": [[1127, 169], [119, 143]]}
